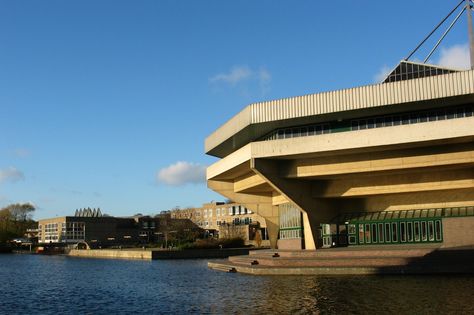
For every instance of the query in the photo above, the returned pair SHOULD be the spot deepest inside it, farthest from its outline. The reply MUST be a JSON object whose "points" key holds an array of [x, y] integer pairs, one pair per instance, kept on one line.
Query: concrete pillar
{"points": [[273, 229]]}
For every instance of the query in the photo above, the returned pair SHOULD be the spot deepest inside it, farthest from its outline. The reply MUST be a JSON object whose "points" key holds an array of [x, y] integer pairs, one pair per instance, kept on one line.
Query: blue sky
{"points": [[107, 103]]}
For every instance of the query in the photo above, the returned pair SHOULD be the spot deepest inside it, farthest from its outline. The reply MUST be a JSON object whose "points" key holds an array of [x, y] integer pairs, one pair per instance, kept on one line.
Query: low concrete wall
{"points": [[292, 244], [158, 254], [199, 253], [112, 253]]}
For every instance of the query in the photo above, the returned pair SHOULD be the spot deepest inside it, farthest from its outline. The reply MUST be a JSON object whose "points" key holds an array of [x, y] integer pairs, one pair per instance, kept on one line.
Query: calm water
{"points": [[32, 284]]}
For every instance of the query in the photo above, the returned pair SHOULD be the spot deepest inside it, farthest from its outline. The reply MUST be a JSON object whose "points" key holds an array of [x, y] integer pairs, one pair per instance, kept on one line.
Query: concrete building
{"points": [[226, 220], [97, 230], [389, 163]]}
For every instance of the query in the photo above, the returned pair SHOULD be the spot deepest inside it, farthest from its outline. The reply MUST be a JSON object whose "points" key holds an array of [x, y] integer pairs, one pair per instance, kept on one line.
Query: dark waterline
{"points": [[31, 284]]}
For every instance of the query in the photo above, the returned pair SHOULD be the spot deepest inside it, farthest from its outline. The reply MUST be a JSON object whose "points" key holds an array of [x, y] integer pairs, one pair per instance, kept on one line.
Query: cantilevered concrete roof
{"points": [[258, 119]]}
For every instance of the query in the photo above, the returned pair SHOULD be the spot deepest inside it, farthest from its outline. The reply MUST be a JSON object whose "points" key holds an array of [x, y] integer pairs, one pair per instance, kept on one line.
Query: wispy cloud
{"points": [[181, 173], [234, 76], [382, 74], [11, 174], [239, 75], [21, 152], [456, 57]]}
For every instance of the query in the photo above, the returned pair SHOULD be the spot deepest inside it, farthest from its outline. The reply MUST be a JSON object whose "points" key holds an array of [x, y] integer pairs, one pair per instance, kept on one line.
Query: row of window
{"points": [[412, 118], [396, 232], [235, 221], [375, 122], [291, 233], [234, 210], [409, 214], [304, 131]]}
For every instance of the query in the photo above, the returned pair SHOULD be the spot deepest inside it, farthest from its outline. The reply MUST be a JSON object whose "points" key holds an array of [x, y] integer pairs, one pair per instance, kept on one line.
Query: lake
{"points": [[34, 284]]}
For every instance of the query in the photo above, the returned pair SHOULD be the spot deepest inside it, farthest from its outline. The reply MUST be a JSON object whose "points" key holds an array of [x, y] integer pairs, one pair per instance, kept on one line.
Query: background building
{"points": [[226, 220], [98, 230]]}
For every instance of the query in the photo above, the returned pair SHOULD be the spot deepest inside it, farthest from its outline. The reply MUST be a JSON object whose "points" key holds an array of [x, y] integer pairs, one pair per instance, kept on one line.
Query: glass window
{"points": [[380, 230], [352, 229], [319, 130], [403, 232], [438, 230], [460, 113], [362, 124], [281, 134], [388, 122], [287, 133], [361, 234], [370, 123], [374, 233], [413, 118], [367, 233], [396, 120], [432, 116], [441, 114], [410, 231], [450, 113], [431, 235], [394, 232], [405, 119], [354, 125], [416, 231], [326, 129], [468, 111], [379, 122], [424, 231], [423, 117], [311, 131], [295, 132], [304, 131]]}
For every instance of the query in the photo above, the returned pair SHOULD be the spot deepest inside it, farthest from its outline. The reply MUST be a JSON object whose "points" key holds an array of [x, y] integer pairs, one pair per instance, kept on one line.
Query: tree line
{"points": [[15, 219]]}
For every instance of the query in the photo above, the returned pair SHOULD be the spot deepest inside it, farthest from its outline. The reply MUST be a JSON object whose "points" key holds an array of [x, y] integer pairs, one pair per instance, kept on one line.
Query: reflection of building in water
{"points": [[389, 163], [225, 220]]}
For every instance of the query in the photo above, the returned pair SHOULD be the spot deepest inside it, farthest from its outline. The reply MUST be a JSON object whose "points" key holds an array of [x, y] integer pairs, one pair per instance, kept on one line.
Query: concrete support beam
{"points": [[261, 204], [460, 154], [250, 182], [361, 186], [316, 211]]}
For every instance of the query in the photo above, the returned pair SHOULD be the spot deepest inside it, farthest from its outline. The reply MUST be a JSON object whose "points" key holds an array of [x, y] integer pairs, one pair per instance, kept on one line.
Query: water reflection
{"points": [[47, 285]]}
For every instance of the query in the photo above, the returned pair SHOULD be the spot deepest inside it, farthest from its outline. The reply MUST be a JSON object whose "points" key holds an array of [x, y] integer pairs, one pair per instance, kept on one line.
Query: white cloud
{"points": [[182, 173], [456, 57], [382, 74], [240, 74], [21, 152], [11, 174], [236, 75]]}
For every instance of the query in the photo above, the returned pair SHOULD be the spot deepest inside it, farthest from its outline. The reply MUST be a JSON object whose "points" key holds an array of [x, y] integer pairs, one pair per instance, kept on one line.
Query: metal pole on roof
{"points": [[444, 35], [470, 31], [434, 30]]}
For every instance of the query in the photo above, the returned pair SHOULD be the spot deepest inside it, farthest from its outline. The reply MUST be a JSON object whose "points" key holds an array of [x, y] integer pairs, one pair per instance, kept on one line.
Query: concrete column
{"points": [[301, 193], [261, 204], [273, 229]]}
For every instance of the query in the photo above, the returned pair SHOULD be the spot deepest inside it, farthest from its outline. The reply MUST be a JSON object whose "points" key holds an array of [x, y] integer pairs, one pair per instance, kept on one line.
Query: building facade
{"points": [[388, 163], [104, 231], [226, 220]]}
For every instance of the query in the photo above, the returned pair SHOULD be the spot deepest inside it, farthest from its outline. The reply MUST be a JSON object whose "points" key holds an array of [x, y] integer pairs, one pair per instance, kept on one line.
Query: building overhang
{"points": [[258, 119]]}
